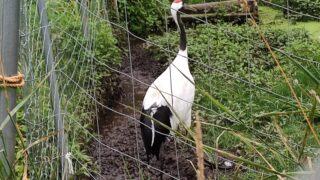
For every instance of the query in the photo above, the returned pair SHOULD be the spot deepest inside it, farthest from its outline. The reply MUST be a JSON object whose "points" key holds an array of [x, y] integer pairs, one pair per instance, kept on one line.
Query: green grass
{"points": [[274, 18], [213, 45], [80, 73]]}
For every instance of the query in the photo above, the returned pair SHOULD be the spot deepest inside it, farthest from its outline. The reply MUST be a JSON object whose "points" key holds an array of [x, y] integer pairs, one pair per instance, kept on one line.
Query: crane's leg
{"points": [[148, 159], [161, 158], [189, 119], [161, 166], [187, 124]]}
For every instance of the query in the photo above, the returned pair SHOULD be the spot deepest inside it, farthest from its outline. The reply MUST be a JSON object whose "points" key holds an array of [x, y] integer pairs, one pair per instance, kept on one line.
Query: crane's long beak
{"points": [[175, 7]]}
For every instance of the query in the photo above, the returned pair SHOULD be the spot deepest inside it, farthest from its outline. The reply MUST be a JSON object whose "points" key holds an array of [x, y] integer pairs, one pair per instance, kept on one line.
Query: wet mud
{"points": [[123, 133]]}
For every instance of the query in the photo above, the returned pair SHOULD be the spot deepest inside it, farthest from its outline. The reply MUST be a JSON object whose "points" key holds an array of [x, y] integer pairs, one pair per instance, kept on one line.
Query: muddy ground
{"points": [[123, 134]]}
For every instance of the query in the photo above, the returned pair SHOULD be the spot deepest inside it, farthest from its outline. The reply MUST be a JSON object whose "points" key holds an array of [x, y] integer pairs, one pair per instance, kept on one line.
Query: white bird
{"points": [[169, 98]]}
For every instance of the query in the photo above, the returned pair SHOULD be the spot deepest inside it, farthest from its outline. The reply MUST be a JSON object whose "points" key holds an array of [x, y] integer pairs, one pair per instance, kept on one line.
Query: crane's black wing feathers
{"points": [[162, 114]]}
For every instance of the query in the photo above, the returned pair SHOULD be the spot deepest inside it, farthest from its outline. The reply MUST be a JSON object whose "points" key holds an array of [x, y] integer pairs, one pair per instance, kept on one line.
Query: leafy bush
{"points": [[311, 7], [227, 50], [144, 16], [81, 66], [75, 49], [245, 79], [238, 50]]}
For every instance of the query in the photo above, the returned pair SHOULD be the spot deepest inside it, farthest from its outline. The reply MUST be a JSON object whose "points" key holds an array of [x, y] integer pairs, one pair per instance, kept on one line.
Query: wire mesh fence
{"points": [[77, 74], [86, 63]]}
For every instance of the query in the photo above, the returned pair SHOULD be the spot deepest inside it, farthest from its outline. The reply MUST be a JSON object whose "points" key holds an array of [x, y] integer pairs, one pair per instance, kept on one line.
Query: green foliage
{"points": [[311, 7], [93, 53], [144, 16], [244, 56], [273, 18], [81, 69], [245, 80], [282, 38], [229, 51]]}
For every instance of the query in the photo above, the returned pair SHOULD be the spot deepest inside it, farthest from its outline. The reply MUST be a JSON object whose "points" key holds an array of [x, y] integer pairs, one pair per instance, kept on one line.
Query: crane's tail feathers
{"points": [[153, 132]]}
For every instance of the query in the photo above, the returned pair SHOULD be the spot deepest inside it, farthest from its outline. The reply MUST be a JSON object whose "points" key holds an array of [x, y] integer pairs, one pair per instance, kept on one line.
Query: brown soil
{"points": [[123, 134]]}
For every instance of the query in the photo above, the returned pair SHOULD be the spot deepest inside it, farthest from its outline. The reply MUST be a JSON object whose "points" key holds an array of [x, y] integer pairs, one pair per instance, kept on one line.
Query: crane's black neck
{"points": [[183, 37]]}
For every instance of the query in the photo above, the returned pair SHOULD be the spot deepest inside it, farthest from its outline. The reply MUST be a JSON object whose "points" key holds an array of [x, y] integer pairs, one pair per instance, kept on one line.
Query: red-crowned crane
{"points": [[164, 106]]}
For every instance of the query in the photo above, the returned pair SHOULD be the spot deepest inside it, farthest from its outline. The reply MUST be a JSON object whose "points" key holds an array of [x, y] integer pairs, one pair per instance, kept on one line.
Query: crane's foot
{"points": [[170, 139]]}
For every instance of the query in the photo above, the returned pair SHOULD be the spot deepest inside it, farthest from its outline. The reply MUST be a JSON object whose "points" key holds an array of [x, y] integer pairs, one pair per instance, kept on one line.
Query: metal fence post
{"points": [[9, 43], [54, 93], [85, 18]]}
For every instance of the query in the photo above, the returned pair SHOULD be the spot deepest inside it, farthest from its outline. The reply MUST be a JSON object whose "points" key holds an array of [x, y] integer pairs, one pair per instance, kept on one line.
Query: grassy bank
{"points": [[82, 74], [273, 18], [250, 110]]}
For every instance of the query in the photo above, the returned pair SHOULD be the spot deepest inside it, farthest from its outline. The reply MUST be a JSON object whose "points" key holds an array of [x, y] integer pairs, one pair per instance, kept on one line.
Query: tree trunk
{"points": [[213, 7], [232, 10], [230, 6]]}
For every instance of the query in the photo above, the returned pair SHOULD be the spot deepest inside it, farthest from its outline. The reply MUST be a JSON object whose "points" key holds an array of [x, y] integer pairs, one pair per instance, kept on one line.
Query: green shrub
{"points": [[227, 50], [311, 7], [144, 17], [147, 17], [81, 66], [91, 69], [237, 60]]}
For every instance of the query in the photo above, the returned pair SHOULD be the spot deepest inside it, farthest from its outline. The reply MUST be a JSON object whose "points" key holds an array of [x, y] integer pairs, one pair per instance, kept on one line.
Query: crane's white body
{"points": [[170, 97], [181, 84]]}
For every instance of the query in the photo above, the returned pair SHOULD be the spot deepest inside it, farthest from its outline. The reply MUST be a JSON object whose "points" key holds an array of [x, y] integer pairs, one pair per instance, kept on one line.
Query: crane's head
{"points": [[176, 6]]}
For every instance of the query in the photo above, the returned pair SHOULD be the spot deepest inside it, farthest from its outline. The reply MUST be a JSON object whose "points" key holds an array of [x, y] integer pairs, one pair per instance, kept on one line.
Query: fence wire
{"points": [[70, 58]]}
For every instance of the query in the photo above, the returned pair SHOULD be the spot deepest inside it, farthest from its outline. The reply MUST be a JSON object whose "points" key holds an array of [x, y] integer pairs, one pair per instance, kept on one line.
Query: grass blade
{"points": [[284, 138], [304, 69]]}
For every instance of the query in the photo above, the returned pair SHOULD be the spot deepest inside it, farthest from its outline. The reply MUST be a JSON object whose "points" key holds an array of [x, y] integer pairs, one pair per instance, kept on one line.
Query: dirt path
{"points": [[119, 132]]}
